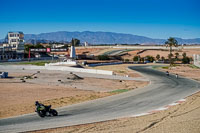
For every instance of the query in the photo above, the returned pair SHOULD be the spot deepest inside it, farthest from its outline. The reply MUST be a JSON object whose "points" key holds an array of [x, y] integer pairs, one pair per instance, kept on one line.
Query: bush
{"points": [[163, 58], [126, 60], [176, 56], [150, 58], [142, 59], [186, 60], [184, 55], [103, 57], [157, 56], [136, 58], [165, 67]]}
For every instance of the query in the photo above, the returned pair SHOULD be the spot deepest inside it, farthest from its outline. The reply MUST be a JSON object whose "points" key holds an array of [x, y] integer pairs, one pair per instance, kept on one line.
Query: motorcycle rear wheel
{"points": [[54, 112]]}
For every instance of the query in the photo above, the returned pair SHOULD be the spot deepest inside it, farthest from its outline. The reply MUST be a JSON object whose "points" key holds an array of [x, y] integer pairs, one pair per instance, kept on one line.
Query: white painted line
{"points": [[172, 104], [162, 108], [140, 114], [182, 100]]}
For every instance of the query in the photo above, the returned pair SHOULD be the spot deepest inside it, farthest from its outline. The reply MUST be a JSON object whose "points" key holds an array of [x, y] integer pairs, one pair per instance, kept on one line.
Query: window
{"points": [[11, 35], [21, 35], [14, 40]]}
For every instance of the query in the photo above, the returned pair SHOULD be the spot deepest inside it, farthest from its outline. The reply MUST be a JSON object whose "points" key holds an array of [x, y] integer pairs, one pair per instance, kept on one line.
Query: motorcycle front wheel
{"points": [[41, 114]]}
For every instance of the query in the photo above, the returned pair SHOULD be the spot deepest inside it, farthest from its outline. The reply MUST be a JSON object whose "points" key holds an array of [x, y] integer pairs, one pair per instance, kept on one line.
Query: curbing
{"points": [[161, 108]]}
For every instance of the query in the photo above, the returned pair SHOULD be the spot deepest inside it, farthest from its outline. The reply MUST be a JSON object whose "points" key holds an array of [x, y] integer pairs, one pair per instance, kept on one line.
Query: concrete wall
{"points": [[60, 68], [61, 63], [196, 60], [71, 69], [103, 64]]}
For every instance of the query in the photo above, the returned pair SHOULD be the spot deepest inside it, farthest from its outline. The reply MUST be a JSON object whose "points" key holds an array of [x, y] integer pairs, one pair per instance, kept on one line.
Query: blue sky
{"points": [[151, 18]]}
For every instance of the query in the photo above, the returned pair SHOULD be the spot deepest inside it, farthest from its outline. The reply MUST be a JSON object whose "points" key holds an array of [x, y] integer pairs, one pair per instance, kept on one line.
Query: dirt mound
{"points": [[72, 76]]}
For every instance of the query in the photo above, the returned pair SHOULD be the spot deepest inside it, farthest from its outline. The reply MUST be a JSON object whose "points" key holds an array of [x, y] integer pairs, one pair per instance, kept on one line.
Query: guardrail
{"points": [[103, 64]]}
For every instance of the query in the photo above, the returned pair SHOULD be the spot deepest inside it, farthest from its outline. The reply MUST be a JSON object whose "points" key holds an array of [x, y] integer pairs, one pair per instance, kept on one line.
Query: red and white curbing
{"points": [[161, 109], [168, 106]]}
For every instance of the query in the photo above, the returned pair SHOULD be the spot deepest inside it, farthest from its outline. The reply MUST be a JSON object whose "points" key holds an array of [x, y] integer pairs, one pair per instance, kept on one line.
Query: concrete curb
{"points": [[161, 108]]}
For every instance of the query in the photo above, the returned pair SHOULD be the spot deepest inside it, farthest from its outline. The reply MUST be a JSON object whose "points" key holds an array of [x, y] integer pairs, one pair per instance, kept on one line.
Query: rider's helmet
{"points": [[36, 102]]}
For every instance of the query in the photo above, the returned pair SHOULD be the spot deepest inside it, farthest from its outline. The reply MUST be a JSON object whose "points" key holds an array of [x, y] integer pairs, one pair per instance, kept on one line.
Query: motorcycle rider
{"points": [[176, 75], [41, 106], [167, 73]]}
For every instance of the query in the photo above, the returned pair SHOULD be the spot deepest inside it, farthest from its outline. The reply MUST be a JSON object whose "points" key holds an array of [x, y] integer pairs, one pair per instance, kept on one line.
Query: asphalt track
{"points": [[162, 91]]}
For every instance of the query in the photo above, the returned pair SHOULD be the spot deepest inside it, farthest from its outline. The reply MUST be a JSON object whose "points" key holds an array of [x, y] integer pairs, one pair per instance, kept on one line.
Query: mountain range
{"points": [[103, 38]]}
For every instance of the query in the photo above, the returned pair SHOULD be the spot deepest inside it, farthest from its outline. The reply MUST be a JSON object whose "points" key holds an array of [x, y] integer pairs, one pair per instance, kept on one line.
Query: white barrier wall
{"points": [[61, 63], [60, 68], [196, 60], [71, 69]]}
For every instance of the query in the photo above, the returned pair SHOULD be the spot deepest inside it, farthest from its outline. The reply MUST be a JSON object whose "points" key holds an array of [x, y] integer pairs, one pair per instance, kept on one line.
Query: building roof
{"points": [[16, 32]]}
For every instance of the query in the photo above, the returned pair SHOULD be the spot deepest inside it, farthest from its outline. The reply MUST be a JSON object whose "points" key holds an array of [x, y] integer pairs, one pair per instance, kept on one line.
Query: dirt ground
{"points": [[131, 54], [182, 118], [163, 53], [89, 51], [19, 92]]}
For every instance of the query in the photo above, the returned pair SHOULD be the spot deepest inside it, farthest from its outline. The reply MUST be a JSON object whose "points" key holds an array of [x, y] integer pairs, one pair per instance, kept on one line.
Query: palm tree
{"points": [[170, 43]]}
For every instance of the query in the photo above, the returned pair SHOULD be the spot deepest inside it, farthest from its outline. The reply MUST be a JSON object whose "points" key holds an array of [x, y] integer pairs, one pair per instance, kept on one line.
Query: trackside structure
{"points": [[196, 60]]}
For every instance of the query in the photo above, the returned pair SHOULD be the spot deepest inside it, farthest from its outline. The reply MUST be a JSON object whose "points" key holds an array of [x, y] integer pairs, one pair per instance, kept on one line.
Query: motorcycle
{"points": [[43, 111], [167, 73]]}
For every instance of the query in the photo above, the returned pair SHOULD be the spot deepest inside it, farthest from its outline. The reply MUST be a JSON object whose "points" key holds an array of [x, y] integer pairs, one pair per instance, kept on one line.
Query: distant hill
{"points": [[35, 41], [102, 38], [188, 41], [94, 37], [1, 40]]}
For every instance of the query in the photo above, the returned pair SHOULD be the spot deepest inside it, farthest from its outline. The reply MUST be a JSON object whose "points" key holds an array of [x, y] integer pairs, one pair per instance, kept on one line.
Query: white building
{"points": [[57, 45], [86, 44], [73, 52], [13, 48], [15, 40]]}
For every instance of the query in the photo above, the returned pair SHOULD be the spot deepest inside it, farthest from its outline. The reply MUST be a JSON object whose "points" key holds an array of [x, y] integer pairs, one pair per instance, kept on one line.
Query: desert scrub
{"points": [[193, 66], [39, 63], [165, 67], [119, 91], [121, 71], [156, 67]]}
